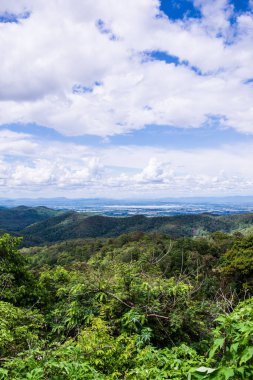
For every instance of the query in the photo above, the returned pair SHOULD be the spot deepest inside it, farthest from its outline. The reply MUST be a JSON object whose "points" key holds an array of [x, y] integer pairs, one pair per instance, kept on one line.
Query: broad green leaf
{"points": [[247, 354], [227, 372]]}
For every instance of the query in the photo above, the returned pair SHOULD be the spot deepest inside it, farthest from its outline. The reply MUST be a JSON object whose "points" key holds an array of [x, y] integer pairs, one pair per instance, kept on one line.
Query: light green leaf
{"points": [[227, 372], [247, 354]]}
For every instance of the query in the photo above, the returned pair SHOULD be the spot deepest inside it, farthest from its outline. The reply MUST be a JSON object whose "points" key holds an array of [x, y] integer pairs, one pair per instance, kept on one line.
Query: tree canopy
{"points": [[139, 306]]}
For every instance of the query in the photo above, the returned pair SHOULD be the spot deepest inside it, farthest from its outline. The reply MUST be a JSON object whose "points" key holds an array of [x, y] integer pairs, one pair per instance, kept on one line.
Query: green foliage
{"points": [[232, 349], [135, 307], [16, 282], [174, 363], [238, 262], [60, 363], [19, 329]]}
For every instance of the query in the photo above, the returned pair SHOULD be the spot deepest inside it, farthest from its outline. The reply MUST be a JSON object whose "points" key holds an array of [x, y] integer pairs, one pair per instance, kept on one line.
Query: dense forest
{"points": [[41, 225], [138, 306]]}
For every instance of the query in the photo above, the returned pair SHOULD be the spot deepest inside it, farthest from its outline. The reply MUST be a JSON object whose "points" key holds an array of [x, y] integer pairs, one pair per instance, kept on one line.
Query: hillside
{"points": [[73, 225], [41, 225], [17, 218]]}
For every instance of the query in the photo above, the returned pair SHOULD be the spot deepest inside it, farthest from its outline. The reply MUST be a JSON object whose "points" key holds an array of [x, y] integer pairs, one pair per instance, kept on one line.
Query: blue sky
{"points": [[153, 99], [179, 9], [209, 136]]}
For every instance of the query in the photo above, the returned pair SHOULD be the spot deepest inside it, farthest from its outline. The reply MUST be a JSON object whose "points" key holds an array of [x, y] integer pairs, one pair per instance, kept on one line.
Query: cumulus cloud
{"points": [[95, 67], [60, 174], [78, 170], [100, 46], [28, 163], [42, 172], [174, 179]]}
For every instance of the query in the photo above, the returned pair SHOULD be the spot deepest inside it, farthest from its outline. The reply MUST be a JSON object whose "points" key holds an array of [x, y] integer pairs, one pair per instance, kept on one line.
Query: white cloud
{"points": [[41, 172], [100, 48], [227, 170], [60, 46], [16, 143], [28, 163], [77, 170]]}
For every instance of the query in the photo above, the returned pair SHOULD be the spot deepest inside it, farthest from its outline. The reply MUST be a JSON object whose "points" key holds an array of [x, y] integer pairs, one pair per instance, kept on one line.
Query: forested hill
{"points": [[17, 218], [41, 225]]}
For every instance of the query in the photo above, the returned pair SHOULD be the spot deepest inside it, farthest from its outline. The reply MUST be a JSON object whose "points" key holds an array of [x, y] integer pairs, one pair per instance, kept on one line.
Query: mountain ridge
{"points": [[41, 225]]}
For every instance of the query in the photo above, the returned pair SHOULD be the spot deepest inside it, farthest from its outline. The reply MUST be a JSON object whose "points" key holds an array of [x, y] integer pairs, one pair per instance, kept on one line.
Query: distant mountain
{"points": [[82, 202], [40, 225], [148, 207]]}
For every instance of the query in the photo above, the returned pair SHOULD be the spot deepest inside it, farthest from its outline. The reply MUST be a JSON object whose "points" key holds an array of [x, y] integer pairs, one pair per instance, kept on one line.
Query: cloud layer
{"points": [[29, 166], [107, 68], [100, 48]]}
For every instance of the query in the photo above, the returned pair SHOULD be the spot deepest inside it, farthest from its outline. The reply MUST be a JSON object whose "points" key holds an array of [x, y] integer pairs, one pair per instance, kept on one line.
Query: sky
{"points": [[126, 99]]}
